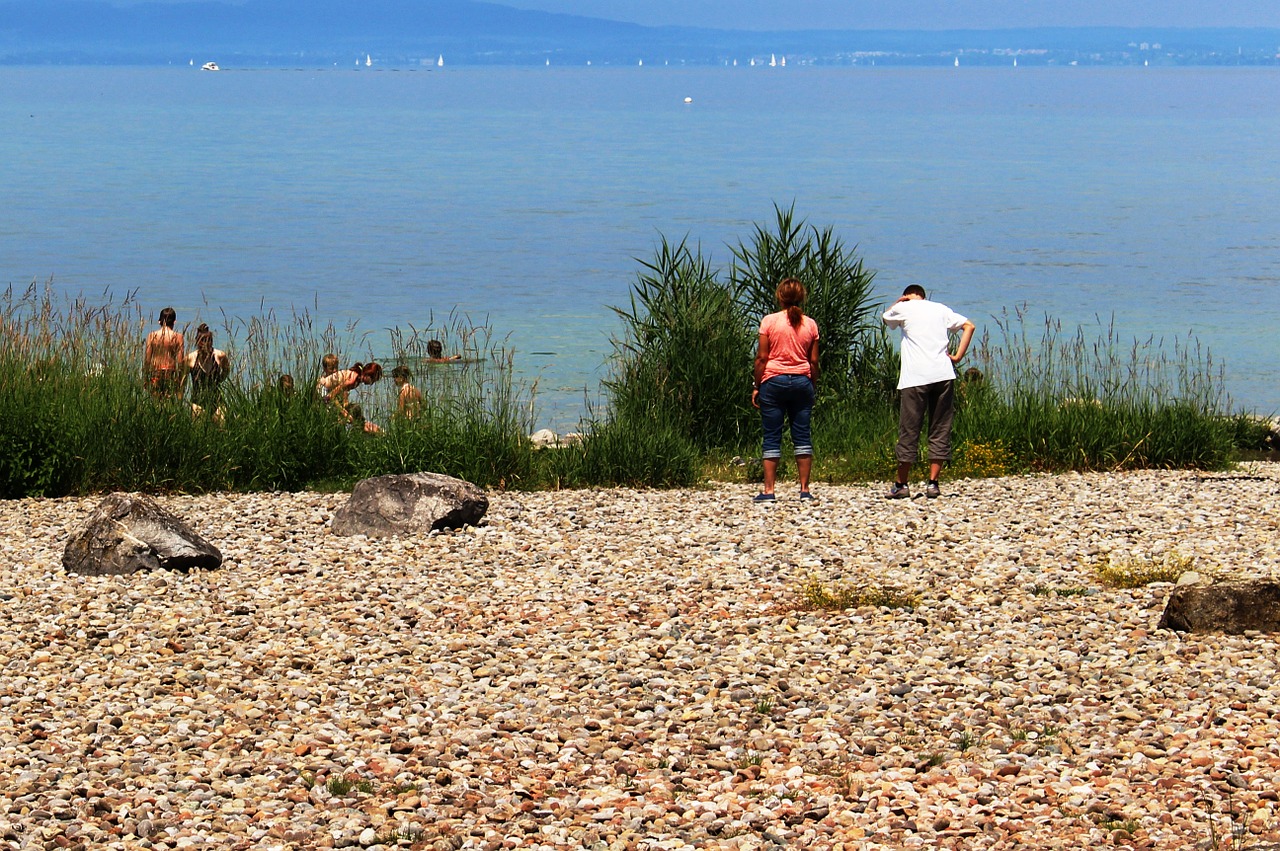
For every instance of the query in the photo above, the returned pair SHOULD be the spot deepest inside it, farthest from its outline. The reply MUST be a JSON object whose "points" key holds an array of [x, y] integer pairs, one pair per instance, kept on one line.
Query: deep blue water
{"points": [[524, 195]]}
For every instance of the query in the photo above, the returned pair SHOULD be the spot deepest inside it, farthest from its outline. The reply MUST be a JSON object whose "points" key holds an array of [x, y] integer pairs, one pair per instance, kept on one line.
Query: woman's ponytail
{"points": [[791, 294]]}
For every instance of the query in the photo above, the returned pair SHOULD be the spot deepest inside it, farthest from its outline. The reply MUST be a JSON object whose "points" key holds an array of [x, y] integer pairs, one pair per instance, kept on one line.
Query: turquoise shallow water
{"points": [[524, 195]]}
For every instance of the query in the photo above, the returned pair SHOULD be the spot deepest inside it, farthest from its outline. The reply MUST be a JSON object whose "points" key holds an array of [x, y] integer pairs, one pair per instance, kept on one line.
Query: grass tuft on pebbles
{"points": [[815, 595], [1140, 571]]}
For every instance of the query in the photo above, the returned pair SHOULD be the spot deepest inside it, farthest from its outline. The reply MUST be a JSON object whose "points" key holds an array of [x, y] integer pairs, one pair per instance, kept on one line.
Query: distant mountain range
{"points": [[413, 32]]}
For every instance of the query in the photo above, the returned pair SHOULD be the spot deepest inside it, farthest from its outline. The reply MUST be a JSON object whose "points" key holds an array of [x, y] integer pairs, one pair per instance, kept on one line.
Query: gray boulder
{"points": [[130, 532], [1229, 607], [411, 504]]}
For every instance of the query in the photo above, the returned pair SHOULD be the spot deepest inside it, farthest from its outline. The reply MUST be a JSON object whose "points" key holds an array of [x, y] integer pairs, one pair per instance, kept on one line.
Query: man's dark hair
{"points": [[168, 317], [915, 289]]}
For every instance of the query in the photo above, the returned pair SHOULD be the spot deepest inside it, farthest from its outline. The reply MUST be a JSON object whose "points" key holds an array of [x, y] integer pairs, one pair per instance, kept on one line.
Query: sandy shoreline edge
{"points": [[623, 669]]}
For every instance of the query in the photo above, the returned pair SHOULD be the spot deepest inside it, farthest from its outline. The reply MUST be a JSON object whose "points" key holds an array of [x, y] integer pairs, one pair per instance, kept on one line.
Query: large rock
{"points": [[412, 504], [1230, 607], [130, 532]]}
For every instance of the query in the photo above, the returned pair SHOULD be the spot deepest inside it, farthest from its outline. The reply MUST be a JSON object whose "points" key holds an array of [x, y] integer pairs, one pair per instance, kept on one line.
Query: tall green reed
{"points": [[681, 370], [628, 451], [1079, 400], [76, 415], [684, 358]]}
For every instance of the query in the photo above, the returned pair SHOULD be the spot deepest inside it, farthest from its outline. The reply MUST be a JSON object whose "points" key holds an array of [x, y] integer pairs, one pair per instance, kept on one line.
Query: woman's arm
{"points": [[762, 360], [813, 361]]}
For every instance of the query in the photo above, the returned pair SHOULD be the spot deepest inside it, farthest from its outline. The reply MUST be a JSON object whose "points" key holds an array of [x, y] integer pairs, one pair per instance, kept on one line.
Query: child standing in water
{"points": [[409, 398]]}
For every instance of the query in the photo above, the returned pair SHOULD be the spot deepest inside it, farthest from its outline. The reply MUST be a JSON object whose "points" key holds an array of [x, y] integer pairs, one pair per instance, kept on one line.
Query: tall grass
{"points": [[475, 418], [1088, 399], [683, 360], [630, 452], [681, 370], [76, 415]]}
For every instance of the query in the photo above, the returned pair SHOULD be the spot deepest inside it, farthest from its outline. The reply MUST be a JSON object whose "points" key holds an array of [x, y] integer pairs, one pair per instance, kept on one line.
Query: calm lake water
{"points": [[524, 195]]}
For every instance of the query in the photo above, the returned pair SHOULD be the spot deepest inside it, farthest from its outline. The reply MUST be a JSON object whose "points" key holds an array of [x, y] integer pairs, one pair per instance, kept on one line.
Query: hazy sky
{"points": [[920, 14]]}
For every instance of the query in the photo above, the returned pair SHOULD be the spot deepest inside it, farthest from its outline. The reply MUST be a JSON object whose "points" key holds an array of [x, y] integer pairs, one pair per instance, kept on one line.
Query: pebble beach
{"points": [[619, 669]]}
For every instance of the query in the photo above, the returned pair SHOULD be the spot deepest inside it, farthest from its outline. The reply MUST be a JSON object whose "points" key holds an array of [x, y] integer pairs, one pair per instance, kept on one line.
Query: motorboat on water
{"points": [[210, 66]]}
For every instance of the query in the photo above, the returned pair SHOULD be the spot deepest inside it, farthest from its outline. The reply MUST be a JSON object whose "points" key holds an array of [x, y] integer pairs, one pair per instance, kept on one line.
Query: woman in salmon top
{"points": [[786, 374]]}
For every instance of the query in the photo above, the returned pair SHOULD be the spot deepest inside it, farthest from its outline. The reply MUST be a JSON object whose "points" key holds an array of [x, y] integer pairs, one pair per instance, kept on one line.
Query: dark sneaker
{"points": [[763, 497], [899, 492], [932, 491], [805, 495]]}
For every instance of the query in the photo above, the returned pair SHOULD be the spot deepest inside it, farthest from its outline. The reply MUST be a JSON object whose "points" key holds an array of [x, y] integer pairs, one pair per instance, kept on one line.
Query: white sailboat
{"points": [[783, 63], [368, 61], [440, 61], [773, 61], [957, 61]]}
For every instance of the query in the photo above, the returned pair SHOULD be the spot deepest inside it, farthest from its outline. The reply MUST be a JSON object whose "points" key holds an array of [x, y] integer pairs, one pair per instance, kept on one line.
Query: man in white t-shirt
{"points": [[926, 382]]}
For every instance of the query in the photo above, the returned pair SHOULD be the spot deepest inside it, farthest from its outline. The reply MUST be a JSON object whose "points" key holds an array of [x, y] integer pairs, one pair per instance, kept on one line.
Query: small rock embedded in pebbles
{"points": [[614, 669]]}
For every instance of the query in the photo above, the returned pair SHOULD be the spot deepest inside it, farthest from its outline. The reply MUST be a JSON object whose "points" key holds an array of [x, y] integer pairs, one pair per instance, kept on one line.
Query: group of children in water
{"points": [[167, 368]]}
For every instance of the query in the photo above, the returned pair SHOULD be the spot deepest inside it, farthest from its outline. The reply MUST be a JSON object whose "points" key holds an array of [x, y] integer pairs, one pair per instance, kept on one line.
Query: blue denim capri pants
{"points": [[786, 397]]}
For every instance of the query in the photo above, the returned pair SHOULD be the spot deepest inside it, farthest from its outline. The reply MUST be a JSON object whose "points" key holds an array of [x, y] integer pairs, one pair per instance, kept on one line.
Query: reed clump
{"points": [[681, 367], [1039, 397], [1087, 399], [76, 415]]}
